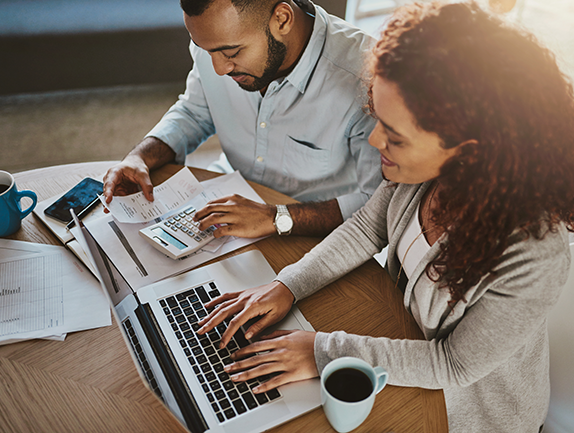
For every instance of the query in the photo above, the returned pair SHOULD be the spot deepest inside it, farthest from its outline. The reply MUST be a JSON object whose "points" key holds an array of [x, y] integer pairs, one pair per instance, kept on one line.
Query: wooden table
{"points": [[88, 383]]}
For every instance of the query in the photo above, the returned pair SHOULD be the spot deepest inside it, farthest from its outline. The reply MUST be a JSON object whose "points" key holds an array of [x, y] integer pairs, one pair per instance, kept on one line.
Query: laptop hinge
{"points": [[187, 404]]}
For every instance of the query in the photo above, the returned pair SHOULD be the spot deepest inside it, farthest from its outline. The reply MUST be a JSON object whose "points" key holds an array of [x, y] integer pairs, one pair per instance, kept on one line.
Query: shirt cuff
{"points": [[350, 203], [320, 351]]}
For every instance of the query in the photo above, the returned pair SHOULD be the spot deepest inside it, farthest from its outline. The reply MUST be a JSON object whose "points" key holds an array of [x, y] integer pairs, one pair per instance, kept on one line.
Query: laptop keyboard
{"points": [[142, 359], [228, 399]]}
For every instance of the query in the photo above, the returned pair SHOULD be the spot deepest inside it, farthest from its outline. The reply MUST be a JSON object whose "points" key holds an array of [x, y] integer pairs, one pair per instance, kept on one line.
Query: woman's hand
{"points": [[289, 353], [270, 302]]}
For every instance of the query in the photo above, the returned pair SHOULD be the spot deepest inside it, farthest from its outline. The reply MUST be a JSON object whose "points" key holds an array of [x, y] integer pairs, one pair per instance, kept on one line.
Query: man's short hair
{"points": [[197, 7]]}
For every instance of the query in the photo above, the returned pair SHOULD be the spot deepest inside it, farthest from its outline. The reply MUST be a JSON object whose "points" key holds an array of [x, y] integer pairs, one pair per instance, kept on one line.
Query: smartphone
{"points": [[78, 198]]}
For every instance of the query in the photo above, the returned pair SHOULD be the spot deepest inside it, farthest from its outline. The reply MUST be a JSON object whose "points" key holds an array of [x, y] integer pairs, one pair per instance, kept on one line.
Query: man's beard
{"points": [[276, 52]]}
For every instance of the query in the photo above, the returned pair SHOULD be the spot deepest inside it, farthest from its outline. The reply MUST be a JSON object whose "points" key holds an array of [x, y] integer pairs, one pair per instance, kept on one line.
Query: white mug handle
{"points": [[382, 376]]}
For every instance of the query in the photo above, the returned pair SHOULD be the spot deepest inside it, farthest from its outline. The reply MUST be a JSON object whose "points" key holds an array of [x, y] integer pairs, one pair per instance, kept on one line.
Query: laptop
{"points": [[185, 370]]}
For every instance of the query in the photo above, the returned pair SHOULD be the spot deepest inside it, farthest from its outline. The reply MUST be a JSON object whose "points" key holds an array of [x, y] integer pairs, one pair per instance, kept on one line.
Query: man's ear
{"points": [[282, 20]]}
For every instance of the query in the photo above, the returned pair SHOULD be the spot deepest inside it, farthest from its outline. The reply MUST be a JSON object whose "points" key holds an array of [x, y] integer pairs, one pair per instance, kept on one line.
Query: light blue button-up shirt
{"points": [[306, 137]]}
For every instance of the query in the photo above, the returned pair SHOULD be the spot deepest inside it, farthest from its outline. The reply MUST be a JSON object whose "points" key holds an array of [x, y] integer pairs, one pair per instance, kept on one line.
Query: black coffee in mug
{"points": [[4, 188], [349, 384]]}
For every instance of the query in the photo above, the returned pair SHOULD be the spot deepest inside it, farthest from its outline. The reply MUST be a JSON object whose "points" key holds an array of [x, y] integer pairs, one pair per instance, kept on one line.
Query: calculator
{"points": [[178, 236]]}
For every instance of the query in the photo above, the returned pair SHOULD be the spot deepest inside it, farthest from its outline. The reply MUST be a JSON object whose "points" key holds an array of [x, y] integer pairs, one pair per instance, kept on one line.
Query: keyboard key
{"points": [[273, 394], [201, 378], [201, 314], [214, 294], [261, 398], [210, 397], [218, 367], [224, 403], [219, 394], [176, 311], [249, 400], [184, 304], [229, 413], [197, 350], [171, 302], [215, 407], [205, 388], [232, 346], [220, 417], [228, 385], [233, 394], [210, 376], [239, 406], [202, 294], [210, 351], [240, 338], [215, 385], [202, 359], [242, 387], [213, 359]]}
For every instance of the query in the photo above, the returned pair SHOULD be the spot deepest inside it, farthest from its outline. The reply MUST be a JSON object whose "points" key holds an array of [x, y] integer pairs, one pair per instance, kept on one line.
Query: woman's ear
{"points": [[282, 20], [471, 141]]}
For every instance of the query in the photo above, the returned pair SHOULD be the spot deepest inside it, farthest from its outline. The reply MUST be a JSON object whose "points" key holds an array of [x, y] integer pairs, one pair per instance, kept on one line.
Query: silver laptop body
{"points": [[169, 356]]}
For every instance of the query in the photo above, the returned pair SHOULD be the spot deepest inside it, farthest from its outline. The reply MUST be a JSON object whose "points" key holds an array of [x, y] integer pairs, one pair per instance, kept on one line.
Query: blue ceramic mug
{"points": [[348, 390], [11, 214]]}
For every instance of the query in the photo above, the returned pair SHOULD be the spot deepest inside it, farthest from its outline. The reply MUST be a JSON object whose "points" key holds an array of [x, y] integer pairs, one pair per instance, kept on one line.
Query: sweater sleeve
{"points": [[513, 306], [347, 247]]}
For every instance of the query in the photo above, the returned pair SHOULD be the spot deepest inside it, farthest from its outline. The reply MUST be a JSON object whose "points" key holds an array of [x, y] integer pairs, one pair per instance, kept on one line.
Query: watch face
{"points": [[284, 223]]}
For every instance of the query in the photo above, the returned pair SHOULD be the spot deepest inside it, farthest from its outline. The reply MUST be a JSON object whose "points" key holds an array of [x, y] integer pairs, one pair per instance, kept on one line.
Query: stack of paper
{"points": [[45, 292]]}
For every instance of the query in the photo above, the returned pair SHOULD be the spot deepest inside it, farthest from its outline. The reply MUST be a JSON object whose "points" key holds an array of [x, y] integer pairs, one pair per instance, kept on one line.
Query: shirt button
{"points": [[263, 125], [259, 159]]}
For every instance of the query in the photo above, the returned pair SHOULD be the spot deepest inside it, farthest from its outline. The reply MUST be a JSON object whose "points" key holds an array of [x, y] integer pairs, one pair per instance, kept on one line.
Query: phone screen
{"points": [[77, 198]]}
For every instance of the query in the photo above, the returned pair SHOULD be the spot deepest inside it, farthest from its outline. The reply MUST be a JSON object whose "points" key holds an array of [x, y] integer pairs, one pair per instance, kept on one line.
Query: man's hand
{"points": [[240, 217], [290, 353], [270, 302], [128, 177], [132, 174]]}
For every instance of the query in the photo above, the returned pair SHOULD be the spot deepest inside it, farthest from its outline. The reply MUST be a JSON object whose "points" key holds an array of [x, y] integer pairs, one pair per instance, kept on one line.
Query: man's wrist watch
{"points": [[283, 221]]}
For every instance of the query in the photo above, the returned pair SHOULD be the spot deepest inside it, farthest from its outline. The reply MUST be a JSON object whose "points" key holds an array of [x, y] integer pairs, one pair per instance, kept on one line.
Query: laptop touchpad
{"points": [[269, 413]]}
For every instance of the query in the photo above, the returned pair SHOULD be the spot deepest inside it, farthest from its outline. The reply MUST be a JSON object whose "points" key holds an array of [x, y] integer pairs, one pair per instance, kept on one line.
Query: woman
{"points": [[475, 130]]}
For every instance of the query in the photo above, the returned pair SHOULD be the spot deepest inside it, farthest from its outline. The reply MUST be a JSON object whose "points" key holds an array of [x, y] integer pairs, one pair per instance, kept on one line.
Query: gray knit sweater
{"points": [[489, 355]]}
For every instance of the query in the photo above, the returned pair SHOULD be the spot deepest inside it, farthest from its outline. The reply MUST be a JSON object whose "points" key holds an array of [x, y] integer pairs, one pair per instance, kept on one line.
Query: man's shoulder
{"points": [[346, 46]]}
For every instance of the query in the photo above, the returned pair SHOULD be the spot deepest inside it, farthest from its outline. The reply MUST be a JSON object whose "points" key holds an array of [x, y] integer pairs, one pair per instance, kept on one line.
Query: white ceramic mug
{"points": [[347, 407]]}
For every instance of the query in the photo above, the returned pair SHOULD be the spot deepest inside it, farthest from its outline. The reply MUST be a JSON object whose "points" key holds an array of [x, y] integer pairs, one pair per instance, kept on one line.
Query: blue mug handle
{"points": [[29, 194]]}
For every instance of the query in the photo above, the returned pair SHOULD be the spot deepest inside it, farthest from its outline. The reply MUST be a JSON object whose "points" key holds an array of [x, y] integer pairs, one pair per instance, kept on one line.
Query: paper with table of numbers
{"points": [[45, 292]]}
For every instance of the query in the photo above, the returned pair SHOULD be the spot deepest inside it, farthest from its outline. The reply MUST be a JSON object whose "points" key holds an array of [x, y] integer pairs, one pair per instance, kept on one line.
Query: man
{"points": [[279, 84]]}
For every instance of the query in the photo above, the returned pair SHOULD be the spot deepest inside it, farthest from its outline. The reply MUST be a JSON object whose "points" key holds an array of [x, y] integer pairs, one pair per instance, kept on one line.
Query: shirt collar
{"points": [[301, 74]]}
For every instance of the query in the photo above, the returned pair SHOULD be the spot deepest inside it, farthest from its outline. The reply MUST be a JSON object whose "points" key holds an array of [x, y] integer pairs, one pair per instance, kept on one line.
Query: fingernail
{"points": [[256, 389], [248, 335], [235, 377], [227, 368]]}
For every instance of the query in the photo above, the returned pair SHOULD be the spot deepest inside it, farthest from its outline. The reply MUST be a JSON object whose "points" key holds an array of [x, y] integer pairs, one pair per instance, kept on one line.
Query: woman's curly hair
{"points": [[465, 75]]}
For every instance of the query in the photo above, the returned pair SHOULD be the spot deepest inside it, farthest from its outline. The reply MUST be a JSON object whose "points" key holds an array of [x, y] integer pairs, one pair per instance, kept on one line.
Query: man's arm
{"points": [[248, 219], [132, 173]]}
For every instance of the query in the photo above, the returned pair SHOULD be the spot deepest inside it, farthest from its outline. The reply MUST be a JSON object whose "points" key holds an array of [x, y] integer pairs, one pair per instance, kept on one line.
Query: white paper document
{"points": [[170, 195], [45, 292], [141, 264]]}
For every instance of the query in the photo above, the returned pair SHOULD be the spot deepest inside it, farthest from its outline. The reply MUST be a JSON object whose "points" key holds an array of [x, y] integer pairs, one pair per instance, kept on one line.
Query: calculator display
{"points": [[169, 238]]}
